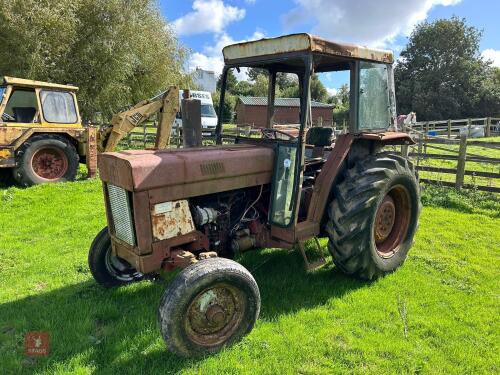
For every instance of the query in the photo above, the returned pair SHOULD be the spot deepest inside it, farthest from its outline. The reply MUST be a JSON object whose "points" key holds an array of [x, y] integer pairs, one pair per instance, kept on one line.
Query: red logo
{"points": [[36, 344]]}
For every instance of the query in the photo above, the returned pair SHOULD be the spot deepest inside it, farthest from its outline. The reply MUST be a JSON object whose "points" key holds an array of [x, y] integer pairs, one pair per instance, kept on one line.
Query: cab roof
{"points": [[20, 82], [258, 52]]}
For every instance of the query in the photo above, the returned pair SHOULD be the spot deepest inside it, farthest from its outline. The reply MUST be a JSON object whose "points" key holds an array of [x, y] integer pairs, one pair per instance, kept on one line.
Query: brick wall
{"points": [[256, 115]]}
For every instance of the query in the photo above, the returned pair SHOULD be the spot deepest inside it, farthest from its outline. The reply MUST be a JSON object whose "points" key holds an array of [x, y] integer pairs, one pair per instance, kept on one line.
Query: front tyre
{"points": [[108, 269], [373, 216], [210, 304]]}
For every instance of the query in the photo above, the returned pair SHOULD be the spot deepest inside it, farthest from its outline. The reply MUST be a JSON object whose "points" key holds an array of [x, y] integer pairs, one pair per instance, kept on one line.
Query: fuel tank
{"points": [[183, 173]]}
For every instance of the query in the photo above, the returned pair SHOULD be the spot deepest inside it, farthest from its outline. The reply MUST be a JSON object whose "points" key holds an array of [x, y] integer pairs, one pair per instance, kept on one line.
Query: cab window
{"points": [[58, 107], [22, 107], [374, 102]]}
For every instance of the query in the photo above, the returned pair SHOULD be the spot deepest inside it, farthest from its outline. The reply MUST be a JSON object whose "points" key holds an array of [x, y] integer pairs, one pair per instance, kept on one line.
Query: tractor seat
{"points": [[24, 114], [319, 138]]}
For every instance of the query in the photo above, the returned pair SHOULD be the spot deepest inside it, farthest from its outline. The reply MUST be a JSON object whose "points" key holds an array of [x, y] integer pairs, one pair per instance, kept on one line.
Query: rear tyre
{"points": [[108, 269], [46, 158], [374, 216], [212, 303]]}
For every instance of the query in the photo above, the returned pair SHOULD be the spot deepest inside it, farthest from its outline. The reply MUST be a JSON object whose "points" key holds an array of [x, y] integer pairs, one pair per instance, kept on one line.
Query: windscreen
{"points": [[374, 101], [207, 110], [58, 107]]}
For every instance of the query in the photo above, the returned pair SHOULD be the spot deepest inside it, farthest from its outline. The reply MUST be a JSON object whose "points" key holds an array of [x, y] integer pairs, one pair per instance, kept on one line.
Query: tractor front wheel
{"points": [[108, 269], [210, 304], [374, 216]]}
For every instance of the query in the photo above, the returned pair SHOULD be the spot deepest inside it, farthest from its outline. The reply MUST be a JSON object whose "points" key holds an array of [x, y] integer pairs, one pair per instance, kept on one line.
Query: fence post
{"points": [[419, 151], [462, 153], [469, 125], [144, 133], [427, 129], [449, 129], [487, 122]]}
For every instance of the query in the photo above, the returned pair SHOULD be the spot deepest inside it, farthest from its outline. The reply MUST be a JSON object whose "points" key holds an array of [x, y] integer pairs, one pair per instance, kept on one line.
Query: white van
{"points": [[208, 115]]}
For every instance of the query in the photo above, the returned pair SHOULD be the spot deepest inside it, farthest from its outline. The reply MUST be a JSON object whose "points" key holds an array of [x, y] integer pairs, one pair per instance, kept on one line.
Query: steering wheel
{"points": [[269, 133]]}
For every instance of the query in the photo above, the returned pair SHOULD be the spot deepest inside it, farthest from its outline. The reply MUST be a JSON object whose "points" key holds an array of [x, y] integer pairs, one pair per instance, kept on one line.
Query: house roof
{"points": [[280, 102], [272, 47]]}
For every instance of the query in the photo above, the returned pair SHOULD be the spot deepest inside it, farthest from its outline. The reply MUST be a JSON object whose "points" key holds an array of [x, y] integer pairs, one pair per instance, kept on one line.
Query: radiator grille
{"points": [[121, 212]]}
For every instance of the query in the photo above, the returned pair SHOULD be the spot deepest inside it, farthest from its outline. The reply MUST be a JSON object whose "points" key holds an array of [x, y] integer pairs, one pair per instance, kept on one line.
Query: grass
{"points": [[436, 314]]}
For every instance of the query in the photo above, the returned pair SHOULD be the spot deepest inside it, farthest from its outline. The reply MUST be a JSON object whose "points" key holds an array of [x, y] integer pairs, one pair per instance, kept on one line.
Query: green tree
{"points": [[231, 81], [441, 73], [117, 51]]}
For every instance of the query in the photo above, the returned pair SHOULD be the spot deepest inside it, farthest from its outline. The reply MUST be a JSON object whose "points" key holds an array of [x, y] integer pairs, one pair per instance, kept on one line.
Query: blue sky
{"points": [[205, 26]]}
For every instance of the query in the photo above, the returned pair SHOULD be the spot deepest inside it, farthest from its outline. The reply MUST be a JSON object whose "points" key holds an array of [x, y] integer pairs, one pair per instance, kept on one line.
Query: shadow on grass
{"points": [[116, 331]]}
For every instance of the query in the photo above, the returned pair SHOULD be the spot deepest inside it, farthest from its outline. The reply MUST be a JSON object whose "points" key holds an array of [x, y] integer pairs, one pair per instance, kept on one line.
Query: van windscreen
{"points": [[207, 110]]}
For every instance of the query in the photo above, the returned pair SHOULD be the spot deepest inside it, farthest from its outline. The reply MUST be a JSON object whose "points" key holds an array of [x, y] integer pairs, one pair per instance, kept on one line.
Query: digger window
{"points": [[22, 107], [58, 107]]}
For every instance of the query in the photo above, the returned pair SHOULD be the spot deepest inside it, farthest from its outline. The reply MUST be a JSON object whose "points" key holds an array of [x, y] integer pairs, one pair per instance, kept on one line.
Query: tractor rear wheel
{"points": [[210, 304], [106, 268], [373, 216], [46, 158]]}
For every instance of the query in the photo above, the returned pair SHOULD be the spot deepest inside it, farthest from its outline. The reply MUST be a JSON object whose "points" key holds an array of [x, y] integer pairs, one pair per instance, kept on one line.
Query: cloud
{"points": [[211, 57], [208, 16], [368, 22], [493, 55], [332, 91]]}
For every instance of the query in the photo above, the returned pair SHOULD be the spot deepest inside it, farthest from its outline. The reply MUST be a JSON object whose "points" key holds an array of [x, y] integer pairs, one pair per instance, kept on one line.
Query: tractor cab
{"points": [[301, 153]]}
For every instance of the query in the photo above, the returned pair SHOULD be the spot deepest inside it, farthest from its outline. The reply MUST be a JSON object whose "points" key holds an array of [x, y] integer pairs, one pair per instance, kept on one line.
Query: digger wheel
{"points": [[210, 304], [374, 216], [46, 158]]}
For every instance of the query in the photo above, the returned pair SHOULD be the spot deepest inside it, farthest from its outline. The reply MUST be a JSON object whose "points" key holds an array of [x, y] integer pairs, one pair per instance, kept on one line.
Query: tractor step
{"points": [[315, 264]]}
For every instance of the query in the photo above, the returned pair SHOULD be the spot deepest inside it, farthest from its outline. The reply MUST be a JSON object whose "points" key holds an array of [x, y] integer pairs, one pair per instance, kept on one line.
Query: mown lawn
{"points": [[437, 314]]}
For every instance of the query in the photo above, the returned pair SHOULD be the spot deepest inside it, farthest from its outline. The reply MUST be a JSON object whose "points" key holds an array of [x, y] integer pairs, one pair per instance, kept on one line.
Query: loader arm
{"points": [[165, 104]]}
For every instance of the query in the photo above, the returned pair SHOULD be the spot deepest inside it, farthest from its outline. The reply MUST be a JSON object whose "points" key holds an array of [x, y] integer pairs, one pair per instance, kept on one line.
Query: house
{"points": [[205, 80], [253, 111]]}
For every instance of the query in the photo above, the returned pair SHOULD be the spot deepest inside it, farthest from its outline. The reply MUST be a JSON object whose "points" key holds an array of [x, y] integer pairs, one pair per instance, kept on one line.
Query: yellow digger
{"points": [[43, 139]]}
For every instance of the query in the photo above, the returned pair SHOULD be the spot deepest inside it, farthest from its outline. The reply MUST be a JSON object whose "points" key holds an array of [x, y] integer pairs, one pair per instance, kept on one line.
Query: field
{"points": [[436, 314]]}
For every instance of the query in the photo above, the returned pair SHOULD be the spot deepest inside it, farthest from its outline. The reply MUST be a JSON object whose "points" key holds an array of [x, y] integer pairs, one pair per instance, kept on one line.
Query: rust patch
{"points": [[171, 219]]}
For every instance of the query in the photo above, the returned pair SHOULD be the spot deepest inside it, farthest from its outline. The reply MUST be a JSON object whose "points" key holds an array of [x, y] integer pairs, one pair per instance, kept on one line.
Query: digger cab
{"points": [[29, 103], [300, 154]]}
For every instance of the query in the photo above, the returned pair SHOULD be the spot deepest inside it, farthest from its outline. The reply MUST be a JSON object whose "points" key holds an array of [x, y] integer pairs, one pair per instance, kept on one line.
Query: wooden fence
{"points": [[453, 128], [439, 151]]}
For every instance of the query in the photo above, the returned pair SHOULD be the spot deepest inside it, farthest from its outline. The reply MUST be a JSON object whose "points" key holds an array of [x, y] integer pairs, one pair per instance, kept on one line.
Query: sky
{"points": [[205, 26]]}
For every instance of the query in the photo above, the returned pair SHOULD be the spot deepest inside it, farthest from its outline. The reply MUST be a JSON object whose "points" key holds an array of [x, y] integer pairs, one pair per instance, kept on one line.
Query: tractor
{"points": [[197, 208]]}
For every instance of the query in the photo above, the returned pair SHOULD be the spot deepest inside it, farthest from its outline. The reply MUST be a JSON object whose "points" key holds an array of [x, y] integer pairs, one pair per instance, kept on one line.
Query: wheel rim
{"points": [[119, 268], [391, 221], [50, 163], [215, 314]]}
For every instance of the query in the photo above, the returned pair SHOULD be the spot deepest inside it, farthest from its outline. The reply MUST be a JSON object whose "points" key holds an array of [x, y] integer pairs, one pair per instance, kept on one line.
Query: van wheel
{"points": [[46, 158], [374, 216]]}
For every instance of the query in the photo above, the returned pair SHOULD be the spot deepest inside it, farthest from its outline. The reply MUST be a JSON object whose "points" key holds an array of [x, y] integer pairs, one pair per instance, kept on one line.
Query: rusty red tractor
{"points": [[196, 208]]}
